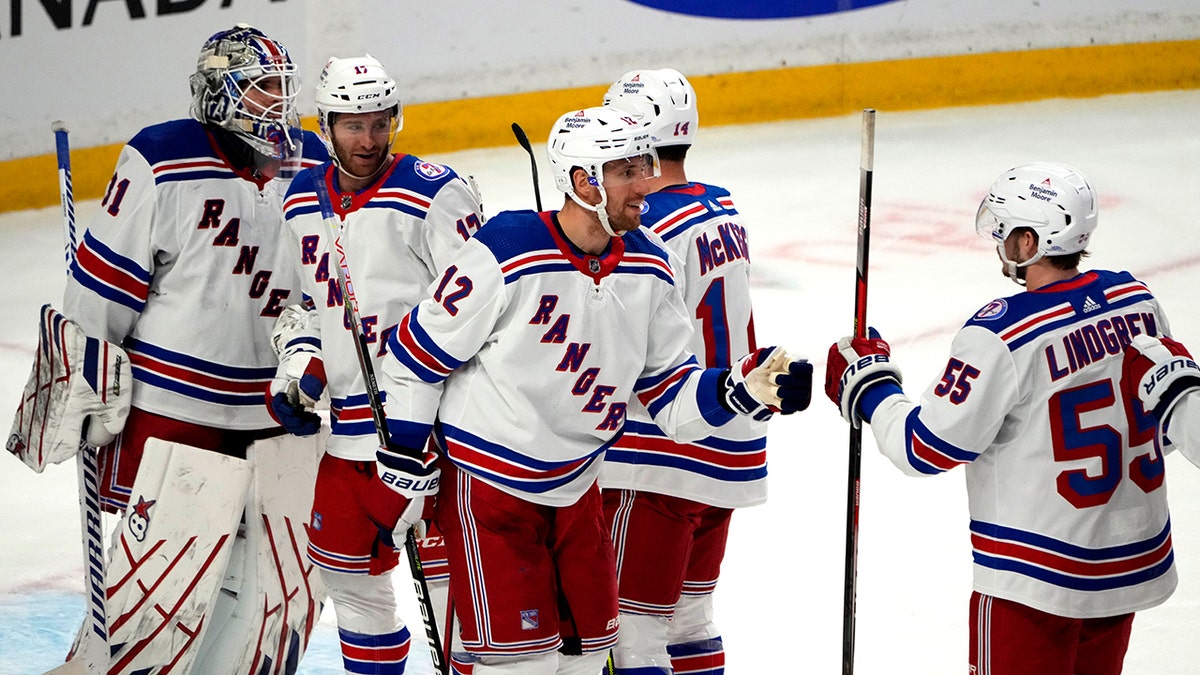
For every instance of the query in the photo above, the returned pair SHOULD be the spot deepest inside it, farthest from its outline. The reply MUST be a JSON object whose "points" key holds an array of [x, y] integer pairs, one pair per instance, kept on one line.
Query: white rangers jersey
{"points": [[397, 234], [702, 228], [185, 266], [1065, 479], [528, 351]]}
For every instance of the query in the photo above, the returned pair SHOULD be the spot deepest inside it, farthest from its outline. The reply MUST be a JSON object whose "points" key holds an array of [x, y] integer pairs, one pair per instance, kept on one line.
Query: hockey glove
{"points": [[409, 471], [300, 378], [78, 385], [1158, 371], [768, 381], [855, 365]]}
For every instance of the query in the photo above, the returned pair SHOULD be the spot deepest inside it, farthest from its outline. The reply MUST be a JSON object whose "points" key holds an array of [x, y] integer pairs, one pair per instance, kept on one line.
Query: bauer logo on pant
{"points": [[139, 518]]}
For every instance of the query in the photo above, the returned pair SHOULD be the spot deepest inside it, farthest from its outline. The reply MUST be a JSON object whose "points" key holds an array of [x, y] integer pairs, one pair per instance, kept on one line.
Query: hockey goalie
{"points": [[206, 570], [172, 294]]}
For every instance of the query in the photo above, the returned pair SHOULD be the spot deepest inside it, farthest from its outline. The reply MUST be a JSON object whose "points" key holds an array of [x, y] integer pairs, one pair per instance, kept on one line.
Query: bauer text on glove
{"points": [[1158, 371], [411, 472], [856, 365]]}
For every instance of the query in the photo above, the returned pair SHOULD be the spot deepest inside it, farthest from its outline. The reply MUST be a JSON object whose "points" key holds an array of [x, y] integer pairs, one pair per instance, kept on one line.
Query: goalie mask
{"points": [[245, 82], [591, 138], [1056, 201], [663, 98], [355, 86]]}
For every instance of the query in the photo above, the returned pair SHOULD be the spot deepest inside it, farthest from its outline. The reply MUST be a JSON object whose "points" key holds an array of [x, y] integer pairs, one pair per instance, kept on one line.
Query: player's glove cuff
{"points": [[1158, 371], [854, 366]]}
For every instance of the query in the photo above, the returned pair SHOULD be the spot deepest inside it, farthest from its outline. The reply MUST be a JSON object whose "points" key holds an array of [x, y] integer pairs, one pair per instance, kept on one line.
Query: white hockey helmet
{"points": [[355, 85], [590, 138], [1054, 200], [664, 98], [231, 64]]}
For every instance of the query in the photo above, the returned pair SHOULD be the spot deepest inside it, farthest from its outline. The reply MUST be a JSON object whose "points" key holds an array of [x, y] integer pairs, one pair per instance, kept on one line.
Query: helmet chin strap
{"points": [[1016, 270], [600, 209]]}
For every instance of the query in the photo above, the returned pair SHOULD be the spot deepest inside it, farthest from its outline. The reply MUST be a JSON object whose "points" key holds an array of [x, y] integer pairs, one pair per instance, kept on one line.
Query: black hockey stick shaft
{"points": [[850, 598], [524, 141], [93, 647], [363, 351]]}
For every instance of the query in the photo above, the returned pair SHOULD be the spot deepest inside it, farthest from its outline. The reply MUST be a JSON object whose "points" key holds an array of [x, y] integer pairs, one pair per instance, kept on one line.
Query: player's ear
{"points": [[581, 181]]}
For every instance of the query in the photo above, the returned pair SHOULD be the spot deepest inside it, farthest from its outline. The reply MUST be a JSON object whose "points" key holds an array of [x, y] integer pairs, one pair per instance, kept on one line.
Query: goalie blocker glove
{"points": [[859, 374], [767, 381], [78, 385], [1157, 372]]}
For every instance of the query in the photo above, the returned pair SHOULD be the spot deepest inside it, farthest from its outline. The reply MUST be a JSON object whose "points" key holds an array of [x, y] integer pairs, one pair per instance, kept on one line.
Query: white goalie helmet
{"points": [[664, 98], [1054, 200], [356, 85], [233, 88], [590, 138]]}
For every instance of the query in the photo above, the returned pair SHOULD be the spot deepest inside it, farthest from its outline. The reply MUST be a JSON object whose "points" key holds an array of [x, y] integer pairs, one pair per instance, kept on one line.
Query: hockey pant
{"points": [[207, 571]]}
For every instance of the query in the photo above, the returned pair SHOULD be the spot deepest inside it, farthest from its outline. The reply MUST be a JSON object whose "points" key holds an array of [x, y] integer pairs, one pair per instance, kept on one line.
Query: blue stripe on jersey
{"points": [[688, 457], [400, 205], [928, 453], [208, 367], [111, 257], [505, 466], [560, 265], [412, 346], [200, 394], [1023, 318], [1070, 566]]}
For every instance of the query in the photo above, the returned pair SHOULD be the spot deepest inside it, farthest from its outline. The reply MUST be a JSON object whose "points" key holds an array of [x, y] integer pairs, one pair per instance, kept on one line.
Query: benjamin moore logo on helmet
{"points": [[758, 9], [1043, 192]]}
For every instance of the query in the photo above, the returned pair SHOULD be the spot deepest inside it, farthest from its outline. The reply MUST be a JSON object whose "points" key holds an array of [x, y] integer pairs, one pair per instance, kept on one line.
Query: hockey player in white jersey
{"points": [[401, 219], [670, 504], [1068, 508], [536, 336], [183, 267]]}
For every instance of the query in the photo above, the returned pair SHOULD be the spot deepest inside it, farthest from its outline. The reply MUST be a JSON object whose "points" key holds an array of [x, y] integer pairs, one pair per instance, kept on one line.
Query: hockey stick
{"points": [[93, 649], [350, 304], [524, 141], [866, 170]]}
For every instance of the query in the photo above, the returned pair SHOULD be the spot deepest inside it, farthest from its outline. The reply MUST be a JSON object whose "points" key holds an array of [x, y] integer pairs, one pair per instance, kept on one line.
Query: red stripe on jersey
{"points": [[167, 167], [649, 396], [1122, 291], [1035, 320], [928, 454], [204, 380], [1067, 565], [732, 460], [492, 464], [677, 217], [116, 277], [409, 341]]}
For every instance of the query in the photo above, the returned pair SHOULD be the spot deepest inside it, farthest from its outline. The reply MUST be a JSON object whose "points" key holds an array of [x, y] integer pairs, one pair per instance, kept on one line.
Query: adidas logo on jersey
{"points": [[1090, 305]]}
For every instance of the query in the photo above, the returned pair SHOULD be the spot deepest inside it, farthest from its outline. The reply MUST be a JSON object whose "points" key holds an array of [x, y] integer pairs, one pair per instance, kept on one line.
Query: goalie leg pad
{"points": [[169, 554], [77, 383], [271, 597]]}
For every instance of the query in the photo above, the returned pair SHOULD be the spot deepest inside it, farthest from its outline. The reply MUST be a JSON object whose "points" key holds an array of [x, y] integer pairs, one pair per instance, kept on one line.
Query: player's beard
{"points": [[625, 219]]}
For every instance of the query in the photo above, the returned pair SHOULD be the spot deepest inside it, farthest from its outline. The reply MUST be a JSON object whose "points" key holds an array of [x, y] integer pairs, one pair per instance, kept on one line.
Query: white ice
{"points": [[780, 599]]}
